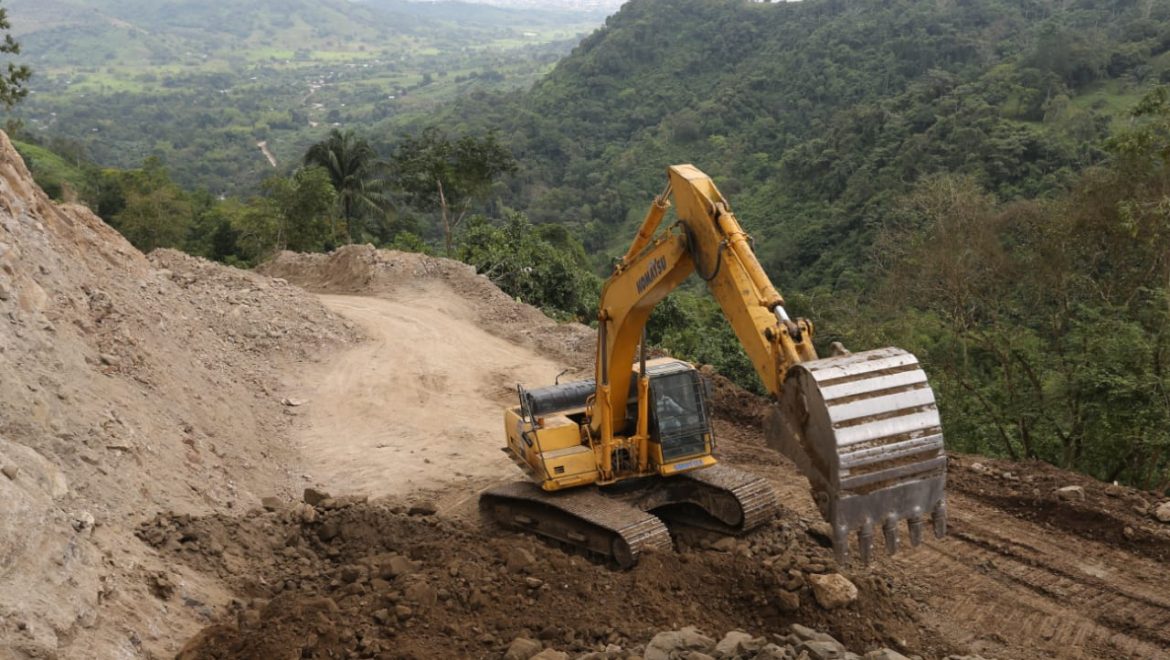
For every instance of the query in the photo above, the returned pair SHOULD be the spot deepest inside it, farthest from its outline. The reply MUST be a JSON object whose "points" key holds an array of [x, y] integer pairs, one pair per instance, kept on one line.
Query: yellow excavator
{"points": [[610, 459]]}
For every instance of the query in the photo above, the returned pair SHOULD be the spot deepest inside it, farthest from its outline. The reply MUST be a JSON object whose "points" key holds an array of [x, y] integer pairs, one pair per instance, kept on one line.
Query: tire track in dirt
{"points": [[1068, 597]]}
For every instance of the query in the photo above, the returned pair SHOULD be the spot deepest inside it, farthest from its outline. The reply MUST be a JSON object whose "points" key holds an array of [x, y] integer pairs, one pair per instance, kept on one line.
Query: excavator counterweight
{"points": [[610, 458]]}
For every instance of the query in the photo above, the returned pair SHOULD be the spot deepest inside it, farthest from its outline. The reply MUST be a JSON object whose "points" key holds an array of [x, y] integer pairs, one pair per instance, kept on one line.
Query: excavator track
{"points": [[733, 501], [622, 526], [583, 518]]}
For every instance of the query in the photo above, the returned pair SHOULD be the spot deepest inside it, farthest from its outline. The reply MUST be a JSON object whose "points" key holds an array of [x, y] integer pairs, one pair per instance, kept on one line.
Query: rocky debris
{"points": [[833, 590], [1071, 493], [1162, 512]]}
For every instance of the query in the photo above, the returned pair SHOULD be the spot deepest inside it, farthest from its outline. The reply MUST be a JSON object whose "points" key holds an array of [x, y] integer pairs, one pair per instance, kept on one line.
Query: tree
{"points": [[304, 203], [436, 174], [352, 166], [156, 212], [525, 264], [12, 81]]}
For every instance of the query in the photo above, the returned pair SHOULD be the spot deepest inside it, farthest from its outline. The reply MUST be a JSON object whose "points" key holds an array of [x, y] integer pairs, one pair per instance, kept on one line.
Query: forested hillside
{"points": [[813, 116]]}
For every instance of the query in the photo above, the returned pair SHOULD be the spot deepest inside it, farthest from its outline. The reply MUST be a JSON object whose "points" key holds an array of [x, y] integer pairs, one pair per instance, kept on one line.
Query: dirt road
{"points": [[417, 408]]}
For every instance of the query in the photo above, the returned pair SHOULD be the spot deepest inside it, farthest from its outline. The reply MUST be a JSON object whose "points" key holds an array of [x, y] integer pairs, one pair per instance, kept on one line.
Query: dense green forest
{"points": [[983, 183]]}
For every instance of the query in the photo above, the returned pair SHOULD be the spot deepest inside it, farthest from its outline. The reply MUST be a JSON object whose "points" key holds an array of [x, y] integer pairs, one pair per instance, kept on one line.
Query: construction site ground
{"points": [[161, 418]]}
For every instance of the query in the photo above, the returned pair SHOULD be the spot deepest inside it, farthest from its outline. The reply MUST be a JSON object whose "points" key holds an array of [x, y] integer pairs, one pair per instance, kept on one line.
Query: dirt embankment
{"points": [[128, 386]]}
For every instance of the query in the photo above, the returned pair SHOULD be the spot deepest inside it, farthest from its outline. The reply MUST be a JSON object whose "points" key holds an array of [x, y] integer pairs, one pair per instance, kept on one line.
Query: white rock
{"points": [[674, 642], [1162, 512], [1071, 493], [833, 590], [522, 648]]}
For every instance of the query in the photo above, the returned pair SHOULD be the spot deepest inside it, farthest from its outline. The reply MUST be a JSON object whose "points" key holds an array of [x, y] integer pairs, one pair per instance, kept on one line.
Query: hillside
{"points": [[815, 115], [199, 84]]}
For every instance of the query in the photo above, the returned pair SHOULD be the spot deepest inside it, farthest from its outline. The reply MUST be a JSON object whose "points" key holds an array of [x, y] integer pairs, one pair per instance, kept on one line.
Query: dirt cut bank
{"points": [[128, 385]]}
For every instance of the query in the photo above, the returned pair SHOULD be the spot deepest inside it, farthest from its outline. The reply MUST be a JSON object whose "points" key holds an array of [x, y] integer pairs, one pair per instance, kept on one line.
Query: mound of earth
{"points": [[129, 385], [363, 270], [350, 578]]}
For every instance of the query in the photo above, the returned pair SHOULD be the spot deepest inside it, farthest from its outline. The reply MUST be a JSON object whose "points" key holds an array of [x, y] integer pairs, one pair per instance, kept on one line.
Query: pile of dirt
{"points": [[130, 385], [350, 578], [364, 270]]}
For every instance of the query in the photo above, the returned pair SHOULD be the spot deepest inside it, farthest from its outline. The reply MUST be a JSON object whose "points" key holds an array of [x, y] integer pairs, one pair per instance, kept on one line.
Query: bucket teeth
{"points": [[865, 543], [890, 531], [939, 518], [915, 532], [864, 428]]}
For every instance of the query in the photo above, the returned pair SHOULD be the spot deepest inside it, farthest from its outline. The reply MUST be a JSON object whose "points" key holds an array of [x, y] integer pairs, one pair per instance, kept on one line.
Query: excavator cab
{"points": [[680, 426]]}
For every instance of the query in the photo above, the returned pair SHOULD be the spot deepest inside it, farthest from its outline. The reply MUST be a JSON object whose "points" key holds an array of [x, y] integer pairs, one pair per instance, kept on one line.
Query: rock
{"points": [[5, 291], [833, 590], [551, 654], [522, 648], [329, 531], [270, 503], [725, 544], [422, 509], [10, 471], [403, 612], [313, 497], [382, 616], [1114, 490], [519, 559], [805, 634], [394, 566], [1071, 493], [787, 601], [737, 643], [773, 652], [822, 650], [885, 654], [1162, 512], [293, 403], [110, 360], [83, 521], [422, 593], [533, 583], [822, 533], [350, 574], [671, 642]]}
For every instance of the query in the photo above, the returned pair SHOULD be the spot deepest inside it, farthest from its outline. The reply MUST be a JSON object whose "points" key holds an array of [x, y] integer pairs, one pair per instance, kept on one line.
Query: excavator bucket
{"points": [[864, 429]]}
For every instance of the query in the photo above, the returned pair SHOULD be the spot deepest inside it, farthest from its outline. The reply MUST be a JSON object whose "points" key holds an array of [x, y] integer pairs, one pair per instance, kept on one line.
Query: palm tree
{"points": [[352, 165]]}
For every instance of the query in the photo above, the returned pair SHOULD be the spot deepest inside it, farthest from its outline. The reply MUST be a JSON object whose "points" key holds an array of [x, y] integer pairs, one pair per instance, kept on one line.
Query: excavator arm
{"points": [[862, 427]]}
